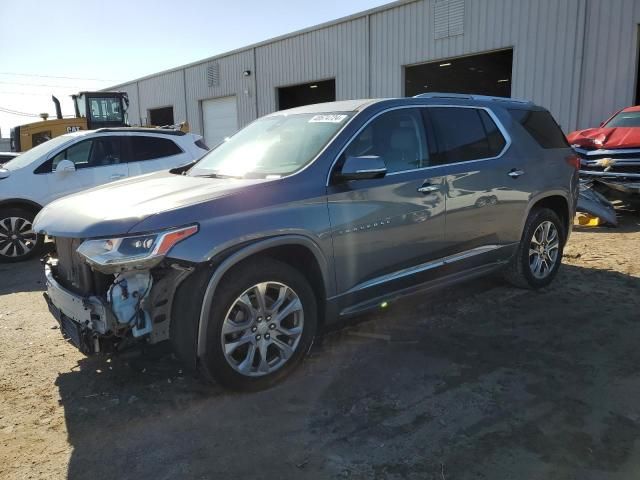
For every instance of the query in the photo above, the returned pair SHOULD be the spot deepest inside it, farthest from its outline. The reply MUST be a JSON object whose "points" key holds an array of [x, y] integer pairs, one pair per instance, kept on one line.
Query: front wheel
{"points": [[18, 241], [262, 322], [539, 254]]}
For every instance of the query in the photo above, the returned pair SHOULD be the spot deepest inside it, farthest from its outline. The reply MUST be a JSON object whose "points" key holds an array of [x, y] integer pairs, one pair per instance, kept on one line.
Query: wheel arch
{"points": [[20, 203], [556, 201], [297, 250]]}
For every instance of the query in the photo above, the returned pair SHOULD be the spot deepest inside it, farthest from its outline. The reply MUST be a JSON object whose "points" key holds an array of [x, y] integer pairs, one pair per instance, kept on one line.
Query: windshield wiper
{"points": [[216, 175]]}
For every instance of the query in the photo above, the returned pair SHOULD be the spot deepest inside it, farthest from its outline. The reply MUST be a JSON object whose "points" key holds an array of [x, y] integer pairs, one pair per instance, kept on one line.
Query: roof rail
{"points": [[161, 131], [465, 96], [444, 95]]}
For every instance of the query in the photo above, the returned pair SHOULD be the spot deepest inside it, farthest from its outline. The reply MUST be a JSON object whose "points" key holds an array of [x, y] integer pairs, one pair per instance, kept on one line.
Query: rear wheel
{"points": [[539, 254], [18, 241], [262, 322]]}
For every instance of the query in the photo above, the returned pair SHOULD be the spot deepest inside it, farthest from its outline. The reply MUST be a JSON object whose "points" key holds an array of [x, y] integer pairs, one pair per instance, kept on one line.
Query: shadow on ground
{"points": [[21, 277], [481, 381]]}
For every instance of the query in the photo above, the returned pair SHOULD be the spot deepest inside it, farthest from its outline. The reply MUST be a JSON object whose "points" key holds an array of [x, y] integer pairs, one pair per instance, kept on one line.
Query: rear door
{"points": [[151, 153], [98, 160], [386, 231], [487, 192]]}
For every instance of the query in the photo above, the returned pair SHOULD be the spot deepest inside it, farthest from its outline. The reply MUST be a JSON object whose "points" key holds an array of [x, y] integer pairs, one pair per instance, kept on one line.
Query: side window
{"points": [[97, 152], [397, 136], [150, 148], [542, 127], [78, 154], [462, 134], [106, 151]]}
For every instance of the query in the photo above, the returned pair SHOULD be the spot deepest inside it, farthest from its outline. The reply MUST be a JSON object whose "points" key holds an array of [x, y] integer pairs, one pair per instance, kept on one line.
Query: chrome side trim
{"points": [[493, 116], [423, 267]]}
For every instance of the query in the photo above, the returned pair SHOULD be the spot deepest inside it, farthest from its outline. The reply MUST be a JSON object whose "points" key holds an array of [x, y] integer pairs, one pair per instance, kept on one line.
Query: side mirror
{"points": [[363, 168], [65, 166]]}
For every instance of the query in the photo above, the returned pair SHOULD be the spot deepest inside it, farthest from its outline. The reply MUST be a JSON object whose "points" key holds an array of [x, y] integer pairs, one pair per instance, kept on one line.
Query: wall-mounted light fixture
{"points": [[313, 86], [246, 73], [448, 64]]}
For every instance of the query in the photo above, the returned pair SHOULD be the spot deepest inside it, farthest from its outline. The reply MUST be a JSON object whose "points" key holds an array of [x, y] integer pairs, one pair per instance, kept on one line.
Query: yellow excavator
{"points": [[93, 110]]}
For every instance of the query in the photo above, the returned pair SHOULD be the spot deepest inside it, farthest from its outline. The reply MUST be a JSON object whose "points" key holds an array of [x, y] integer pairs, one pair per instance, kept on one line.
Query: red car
{"points": [[610, 154]]}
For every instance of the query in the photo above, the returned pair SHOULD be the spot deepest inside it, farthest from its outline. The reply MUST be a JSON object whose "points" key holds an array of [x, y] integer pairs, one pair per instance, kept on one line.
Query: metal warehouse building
{"points": [[578, 58]]}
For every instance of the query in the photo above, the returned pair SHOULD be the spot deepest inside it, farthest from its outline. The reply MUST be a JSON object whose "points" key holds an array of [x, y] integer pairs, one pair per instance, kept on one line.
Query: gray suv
{"points": [[307, 216]]}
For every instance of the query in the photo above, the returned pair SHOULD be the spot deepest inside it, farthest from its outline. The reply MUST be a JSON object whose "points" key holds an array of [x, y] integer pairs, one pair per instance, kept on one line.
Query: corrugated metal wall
{"points": [[339, 52], [611, 56], [366, 55], [231, 81], [163, 90], [542, 72]]}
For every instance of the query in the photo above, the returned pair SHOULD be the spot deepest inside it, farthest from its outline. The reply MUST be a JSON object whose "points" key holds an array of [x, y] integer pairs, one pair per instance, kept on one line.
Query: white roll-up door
{"points": [[220, 119]]}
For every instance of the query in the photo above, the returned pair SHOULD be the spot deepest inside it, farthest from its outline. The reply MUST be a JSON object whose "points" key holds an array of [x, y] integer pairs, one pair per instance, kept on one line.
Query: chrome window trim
{"points": [[491, 114]]}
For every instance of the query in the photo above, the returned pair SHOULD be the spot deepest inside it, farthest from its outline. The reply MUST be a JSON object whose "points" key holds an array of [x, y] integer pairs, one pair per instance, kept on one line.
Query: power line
{"points": [[53, 76], [28, 94], [38, 85], [15, 112]]}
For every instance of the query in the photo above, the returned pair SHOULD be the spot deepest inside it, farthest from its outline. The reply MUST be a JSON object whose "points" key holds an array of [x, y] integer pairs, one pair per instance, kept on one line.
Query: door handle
{"points": [[515, 173], [429, 189], [116, 176]]}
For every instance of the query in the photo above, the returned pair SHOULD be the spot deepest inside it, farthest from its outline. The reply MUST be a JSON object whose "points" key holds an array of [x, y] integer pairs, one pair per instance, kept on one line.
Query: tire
{"points": [[240, 369], [18, 242], [521, 271]]}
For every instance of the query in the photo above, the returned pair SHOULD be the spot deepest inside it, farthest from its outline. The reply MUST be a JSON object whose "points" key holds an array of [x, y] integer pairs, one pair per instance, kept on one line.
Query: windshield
{"points": [[105, 109], [273, 146], [625, 119], [35, 153]]}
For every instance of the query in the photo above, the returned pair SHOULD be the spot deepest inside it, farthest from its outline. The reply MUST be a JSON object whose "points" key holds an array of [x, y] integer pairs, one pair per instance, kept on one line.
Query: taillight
{"points": [[573, 160]]}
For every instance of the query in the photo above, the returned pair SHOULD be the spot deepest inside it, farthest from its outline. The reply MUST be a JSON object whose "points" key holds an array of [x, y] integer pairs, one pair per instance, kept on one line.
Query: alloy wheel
{"points": [[17, 237], [544, 249], [262, 329]]}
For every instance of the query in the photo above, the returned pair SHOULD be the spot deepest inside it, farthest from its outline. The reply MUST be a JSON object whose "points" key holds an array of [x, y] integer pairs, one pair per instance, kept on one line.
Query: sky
{"points": [[61, 48]]}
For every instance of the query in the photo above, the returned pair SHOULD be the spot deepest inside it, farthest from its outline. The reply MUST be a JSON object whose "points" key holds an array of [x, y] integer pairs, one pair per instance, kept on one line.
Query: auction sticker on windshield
{"points": [[327, 118]]}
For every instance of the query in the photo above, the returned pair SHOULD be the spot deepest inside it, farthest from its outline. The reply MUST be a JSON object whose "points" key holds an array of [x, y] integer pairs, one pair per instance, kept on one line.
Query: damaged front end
{"points": [[108, 294], [615, 169]]}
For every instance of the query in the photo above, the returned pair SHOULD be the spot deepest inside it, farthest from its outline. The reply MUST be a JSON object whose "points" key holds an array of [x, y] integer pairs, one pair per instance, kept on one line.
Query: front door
{"points": [[386, 231], [97, 161]]}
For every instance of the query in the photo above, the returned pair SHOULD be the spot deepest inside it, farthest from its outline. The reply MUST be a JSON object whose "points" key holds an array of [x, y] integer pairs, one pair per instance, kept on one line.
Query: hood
{"points": [[114, 209], [606, 138]]}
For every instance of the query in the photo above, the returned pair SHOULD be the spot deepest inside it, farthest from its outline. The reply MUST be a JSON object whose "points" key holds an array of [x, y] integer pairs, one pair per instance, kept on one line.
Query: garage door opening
{"points": [[306, 94], [485, 74], [161, 116], [219, 119]]}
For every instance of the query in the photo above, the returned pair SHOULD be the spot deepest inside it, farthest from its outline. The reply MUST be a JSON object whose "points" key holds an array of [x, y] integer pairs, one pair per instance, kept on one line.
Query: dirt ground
{"points": [[483, 381]]}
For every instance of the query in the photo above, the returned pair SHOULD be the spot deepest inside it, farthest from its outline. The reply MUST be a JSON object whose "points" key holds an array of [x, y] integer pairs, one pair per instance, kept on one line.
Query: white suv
{"points": [[78, 161]]}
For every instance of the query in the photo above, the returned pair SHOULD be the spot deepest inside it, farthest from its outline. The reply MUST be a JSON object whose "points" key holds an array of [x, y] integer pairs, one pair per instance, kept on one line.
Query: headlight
{"points": [[136, 252]]}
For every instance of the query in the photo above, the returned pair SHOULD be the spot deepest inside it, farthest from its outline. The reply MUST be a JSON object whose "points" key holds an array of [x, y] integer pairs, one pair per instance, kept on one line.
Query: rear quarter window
{"points": [[461, 134], [542, 127], [150, 148]]}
